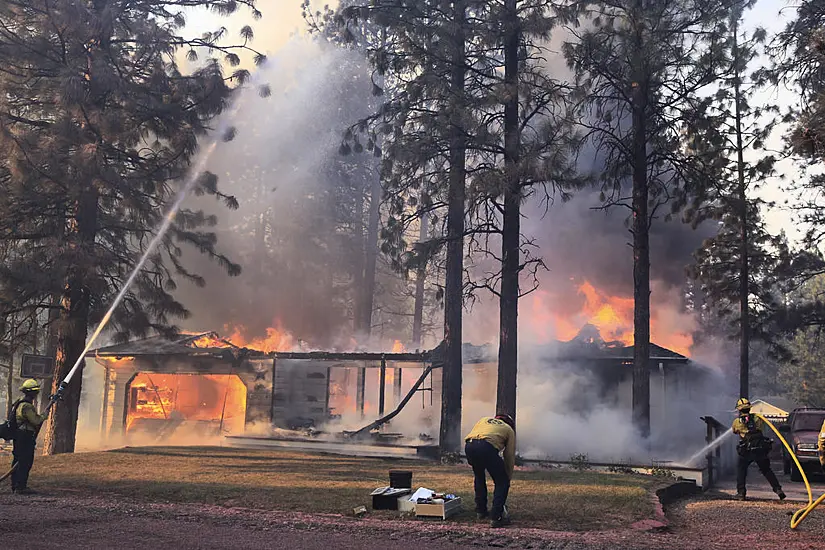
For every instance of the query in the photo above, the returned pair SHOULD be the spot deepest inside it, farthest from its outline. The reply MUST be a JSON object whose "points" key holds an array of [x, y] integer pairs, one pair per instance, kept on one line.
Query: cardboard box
{"points": [[405, 504], [442, 510]]}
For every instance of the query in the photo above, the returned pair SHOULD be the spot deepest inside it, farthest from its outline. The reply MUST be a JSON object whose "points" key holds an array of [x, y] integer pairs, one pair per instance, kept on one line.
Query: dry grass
{"points": [[318, 483]]}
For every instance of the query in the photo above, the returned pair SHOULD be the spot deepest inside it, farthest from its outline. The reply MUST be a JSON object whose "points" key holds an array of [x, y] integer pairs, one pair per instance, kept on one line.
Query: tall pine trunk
{"points": [[450, 431], [510, 263], [742, 202], [420, 280], [368, 295], [10, 356], [641, 245], [61, 428], [360, 261]]}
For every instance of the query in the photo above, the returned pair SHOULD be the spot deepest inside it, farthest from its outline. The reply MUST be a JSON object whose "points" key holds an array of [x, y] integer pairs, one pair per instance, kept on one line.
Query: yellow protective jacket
{"points": [[740, 429], [27, 418], [822, 444], [499, 435]]}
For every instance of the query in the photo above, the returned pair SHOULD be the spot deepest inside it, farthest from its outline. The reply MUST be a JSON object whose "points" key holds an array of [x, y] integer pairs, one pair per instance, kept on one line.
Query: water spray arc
{"points": [[701, 453], [802, 513], [224, 133], [164, 227]]}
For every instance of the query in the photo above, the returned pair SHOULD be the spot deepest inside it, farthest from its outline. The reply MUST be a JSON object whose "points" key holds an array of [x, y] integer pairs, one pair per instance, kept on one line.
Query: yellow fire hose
{"points": [[802, 513]]}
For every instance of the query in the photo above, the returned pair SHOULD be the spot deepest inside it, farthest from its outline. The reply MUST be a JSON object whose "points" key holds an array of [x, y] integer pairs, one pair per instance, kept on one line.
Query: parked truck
{"points": [[802, 433]]}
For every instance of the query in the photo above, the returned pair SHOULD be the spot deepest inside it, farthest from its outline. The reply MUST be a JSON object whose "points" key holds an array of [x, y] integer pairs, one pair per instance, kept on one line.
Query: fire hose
{"points": [[802, 513]]}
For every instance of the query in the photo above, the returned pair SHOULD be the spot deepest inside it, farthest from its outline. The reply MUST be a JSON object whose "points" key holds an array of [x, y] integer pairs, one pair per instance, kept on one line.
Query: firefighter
{"points": [[821, 445], [753, 446], [28, 426], [489, 439]]}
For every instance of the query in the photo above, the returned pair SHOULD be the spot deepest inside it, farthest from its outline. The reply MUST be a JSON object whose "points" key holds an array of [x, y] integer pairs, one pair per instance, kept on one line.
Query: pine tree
{"points": [[729, 131], [500, 168], [641, 65], [97, 123], [798, 54]]}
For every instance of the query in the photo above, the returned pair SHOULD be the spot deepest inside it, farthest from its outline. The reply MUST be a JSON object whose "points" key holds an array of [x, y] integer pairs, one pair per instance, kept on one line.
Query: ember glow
{"points": [[398, 347], [557, 316]]}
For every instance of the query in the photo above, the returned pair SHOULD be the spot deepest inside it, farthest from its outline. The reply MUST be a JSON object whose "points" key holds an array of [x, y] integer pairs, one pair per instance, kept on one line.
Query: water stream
{"points": [[161, 231], [701, 453]]}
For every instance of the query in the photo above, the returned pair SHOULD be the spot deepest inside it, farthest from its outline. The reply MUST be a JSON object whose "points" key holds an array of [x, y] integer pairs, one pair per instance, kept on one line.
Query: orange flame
{"points": [[557, 317], [207, 341], [398, 347], [276, 339], [216, 398]]}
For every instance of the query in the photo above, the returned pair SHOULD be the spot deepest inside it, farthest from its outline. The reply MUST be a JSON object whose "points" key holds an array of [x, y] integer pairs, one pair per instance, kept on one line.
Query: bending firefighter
{"points": [[28, 426], [754, 446], [484, 445]]}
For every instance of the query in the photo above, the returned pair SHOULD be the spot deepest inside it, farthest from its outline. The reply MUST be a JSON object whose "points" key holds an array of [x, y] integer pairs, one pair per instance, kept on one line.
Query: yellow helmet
{"points": [[743, 404], [30, 385]]}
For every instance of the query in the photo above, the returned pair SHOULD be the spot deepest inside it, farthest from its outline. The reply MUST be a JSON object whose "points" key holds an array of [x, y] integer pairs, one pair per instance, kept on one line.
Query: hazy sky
{"points": [[282, 18]]}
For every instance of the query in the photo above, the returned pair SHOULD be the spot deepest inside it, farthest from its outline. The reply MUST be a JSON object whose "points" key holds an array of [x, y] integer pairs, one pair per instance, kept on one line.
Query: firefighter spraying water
{"points": [[753, 446]]}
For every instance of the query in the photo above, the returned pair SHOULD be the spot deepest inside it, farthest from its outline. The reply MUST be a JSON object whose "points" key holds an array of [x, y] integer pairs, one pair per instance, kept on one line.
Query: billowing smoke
{"points": [[291, 238], [298, 200]]}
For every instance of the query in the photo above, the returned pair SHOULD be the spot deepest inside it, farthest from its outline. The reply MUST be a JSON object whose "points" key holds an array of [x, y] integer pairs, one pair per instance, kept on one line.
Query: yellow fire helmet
{"points": [[30, 385], [743, 404]]}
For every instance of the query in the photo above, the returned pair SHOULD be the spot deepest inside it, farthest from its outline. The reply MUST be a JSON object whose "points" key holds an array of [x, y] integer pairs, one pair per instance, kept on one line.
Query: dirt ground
{"points": [[316, 483], [124, 513], [72, 521]]}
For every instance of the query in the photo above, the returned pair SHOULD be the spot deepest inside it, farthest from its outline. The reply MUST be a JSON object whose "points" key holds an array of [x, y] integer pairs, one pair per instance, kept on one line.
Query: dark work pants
{"points": [[23, 456], [764, 465], [483, 457]]}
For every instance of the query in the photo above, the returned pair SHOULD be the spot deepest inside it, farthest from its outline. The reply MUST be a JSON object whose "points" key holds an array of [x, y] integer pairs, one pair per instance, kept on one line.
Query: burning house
{"points": [[156, 385], [600, 374], [212, 387]]}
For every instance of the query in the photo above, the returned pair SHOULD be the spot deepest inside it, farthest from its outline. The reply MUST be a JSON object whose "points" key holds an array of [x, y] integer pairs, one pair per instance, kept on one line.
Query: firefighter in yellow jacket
{"points": [[28, 426], [753, 446], [822, 445], [489, 439]]}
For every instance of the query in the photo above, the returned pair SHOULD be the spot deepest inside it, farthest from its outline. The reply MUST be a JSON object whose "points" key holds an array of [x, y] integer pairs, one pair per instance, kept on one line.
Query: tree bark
{"points": [[744, 271], [641, 247], [450, 430], [359, 260], [368, 296], [10, 379], [420, 279], [61, 427], [511, 232]]}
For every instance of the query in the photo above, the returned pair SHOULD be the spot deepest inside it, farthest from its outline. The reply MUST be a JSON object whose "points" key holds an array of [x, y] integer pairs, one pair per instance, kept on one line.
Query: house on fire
{"points": [[155, 385]]}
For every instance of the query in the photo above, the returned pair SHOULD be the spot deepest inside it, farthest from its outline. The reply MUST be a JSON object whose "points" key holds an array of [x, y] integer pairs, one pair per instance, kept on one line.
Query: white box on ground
{"points": [[442, 510], [405, 504]]}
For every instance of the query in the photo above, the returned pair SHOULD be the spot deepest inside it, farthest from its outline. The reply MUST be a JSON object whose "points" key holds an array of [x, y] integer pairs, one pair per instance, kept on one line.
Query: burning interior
{"points": [[207, 403]]}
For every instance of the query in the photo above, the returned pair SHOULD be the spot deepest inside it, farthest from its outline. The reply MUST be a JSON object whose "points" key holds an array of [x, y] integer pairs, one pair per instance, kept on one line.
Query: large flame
{"points": [[215, 398], [276, 339], [557, 316]]}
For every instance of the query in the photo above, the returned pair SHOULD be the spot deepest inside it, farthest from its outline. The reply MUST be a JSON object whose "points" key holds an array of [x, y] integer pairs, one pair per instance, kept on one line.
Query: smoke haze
{"points": [[280, 161]]}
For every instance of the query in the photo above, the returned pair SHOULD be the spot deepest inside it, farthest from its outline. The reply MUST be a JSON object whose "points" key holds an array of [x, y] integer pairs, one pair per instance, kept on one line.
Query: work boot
{"points": [[25, 491], [741, 496], [482, 515], [500, 522], [780, 493]]}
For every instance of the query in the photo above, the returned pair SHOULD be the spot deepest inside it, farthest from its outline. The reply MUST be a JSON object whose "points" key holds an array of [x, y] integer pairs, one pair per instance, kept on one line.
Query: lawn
{"points": [[319, 483]]}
